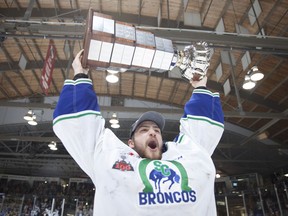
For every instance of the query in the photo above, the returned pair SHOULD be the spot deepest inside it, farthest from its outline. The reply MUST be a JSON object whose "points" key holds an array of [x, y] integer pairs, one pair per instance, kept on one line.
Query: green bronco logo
{"points": [[164, 182]]}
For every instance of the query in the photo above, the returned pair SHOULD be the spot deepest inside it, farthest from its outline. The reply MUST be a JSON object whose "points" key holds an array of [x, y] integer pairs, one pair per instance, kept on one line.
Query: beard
{"points": [[152, 150]]}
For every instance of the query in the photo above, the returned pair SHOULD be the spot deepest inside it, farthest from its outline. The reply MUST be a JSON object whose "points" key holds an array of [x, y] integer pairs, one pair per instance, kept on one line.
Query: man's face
{"points": [[147, 141]]}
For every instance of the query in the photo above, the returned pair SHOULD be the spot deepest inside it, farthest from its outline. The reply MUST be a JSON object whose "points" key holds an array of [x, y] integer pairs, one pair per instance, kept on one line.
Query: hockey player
{"points": [[139, 178]]}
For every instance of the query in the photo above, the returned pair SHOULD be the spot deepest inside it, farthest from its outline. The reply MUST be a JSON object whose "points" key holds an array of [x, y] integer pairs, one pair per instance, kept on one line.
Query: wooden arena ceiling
{"points": [[26, 27]]}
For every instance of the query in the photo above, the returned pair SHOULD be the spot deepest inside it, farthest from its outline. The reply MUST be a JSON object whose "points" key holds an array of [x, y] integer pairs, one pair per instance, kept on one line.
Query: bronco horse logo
{"points": [[161, 174], [169, 175]]}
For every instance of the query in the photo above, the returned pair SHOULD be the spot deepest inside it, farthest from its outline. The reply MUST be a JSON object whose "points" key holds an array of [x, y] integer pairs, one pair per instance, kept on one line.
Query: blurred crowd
{"points": [[19, 197]]}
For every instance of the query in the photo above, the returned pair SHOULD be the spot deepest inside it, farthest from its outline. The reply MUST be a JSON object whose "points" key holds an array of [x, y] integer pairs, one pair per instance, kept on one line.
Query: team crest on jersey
{"points": [[165, 182], [123, 165]]}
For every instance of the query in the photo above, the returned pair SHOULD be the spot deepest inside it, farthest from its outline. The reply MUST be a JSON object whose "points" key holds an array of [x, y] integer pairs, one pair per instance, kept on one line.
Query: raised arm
{"points": [[77, 120], [203, 119]]}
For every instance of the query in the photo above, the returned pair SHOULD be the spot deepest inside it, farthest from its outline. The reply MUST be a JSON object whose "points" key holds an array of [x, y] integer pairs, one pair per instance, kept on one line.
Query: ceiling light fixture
{"points": [[122, 70], [112, 71], [248, 83], [255, 74], [29, 116], [252, 76], [53, 146], [115, 126], [33, 122], [112, 77], [114, 121]]}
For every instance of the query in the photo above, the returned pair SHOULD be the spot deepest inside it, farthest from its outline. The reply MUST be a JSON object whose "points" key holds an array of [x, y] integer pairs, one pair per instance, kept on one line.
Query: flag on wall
{"points": [[48, 67]]}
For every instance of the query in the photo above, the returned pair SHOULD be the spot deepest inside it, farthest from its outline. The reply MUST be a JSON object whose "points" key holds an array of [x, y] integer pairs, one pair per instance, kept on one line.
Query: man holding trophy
{"points": [[145, 176]]}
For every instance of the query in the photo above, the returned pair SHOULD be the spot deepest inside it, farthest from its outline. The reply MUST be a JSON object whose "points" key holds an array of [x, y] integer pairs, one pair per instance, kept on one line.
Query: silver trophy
{"points": [[194, 61]]}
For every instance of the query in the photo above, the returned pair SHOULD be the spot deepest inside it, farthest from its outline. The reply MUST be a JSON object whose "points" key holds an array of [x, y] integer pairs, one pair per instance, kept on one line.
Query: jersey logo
{"points": [[164, 182], [123, 165], [166, 174]]}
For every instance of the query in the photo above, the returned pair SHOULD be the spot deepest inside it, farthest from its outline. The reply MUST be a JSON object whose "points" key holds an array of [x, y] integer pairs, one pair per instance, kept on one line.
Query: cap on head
{"points": [[149, 116]]}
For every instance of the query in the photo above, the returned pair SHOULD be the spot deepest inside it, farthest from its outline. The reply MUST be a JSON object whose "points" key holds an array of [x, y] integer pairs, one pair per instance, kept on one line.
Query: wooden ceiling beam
{"points": [[4, 92], [100, 7], [181, 11], [168, 13], [140, 5], [26, 83], [13, 86], [119, 7], [159, 89], [29, 9]]}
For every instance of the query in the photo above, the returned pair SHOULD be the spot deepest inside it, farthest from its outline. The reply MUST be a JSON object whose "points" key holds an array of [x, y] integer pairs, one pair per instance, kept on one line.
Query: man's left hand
{"points": [[200, 83]]}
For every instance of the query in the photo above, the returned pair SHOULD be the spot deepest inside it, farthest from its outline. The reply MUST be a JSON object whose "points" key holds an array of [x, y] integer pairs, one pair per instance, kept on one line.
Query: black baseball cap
{"points": [[149, 116]]}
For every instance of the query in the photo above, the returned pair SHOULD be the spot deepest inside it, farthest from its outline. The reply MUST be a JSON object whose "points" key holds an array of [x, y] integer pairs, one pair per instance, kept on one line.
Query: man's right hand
{"points": [[77, 66]]}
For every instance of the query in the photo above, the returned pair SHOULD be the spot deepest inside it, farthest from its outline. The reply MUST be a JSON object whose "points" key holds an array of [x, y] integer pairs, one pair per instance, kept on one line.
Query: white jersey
{"points": [[181, 183]]}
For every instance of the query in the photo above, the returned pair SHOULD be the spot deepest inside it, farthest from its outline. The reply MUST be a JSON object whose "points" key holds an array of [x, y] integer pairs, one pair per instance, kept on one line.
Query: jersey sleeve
{"points": [[203, 120], [78, 123]]}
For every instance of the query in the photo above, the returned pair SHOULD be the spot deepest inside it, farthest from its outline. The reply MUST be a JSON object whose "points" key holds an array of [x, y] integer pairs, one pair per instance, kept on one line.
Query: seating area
{"points": [[35, 196], [45, 196]]}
